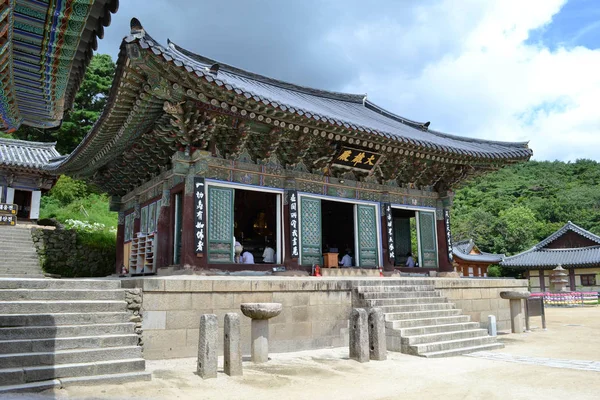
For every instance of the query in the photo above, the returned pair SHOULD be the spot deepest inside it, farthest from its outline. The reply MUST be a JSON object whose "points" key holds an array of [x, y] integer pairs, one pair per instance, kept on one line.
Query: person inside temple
{"points": [[410, 261], [346, 260], [247, 258], [268, 254]]}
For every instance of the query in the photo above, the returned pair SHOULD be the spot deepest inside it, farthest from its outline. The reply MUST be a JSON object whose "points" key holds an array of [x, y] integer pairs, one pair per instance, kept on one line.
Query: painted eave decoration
{"points": [[158, 90], [45, 48]]}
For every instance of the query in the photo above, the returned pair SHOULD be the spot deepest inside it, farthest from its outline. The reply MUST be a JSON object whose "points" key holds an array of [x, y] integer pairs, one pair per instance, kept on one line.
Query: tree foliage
{"points": [[510, 210], [89, 103]]}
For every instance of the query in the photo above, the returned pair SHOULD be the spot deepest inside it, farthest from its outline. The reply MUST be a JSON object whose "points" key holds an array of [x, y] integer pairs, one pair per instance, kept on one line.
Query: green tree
{"points": [[88, 105], [516, 230]]}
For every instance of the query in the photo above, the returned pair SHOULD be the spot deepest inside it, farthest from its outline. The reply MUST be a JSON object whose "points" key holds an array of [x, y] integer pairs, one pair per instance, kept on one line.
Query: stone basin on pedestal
{"points": [[260, 313], [516, 309]]}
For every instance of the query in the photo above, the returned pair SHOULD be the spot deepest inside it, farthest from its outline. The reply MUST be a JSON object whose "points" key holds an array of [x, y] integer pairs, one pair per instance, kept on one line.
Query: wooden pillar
{"points": [[542, 280], [572, 279], [163, 228], [136, 217], [120, 259], [188, 254], [442, 244]]}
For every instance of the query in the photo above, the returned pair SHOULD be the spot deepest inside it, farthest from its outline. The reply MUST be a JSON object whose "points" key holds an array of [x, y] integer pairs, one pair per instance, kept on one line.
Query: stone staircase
{"points": [[419, 321], [55, 333], [18, 257]]}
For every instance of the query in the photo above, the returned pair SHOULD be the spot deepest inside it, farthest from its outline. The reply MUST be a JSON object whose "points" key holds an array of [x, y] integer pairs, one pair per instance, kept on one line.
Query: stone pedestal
{"points": [[207, 346], [377, 341], [260, 314], [516, 309], [359, 335]]}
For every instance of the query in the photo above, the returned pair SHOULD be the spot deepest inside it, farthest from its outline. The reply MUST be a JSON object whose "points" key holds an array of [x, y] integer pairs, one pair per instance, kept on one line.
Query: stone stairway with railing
{"points": [[18, 256], [420, 321], [55, 333]]}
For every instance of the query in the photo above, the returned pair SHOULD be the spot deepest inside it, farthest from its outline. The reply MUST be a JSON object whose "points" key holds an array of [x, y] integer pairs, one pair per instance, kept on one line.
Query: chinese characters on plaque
{"points": [[359, 159], [389, 225], [448, 234], [10, 220], [8, 208], [199, 222], [293, 203]]}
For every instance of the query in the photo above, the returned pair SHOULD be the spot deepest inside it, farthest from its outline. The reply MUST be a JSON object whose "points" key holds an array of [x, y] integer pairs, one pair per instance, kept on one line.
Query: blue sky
{"points": [[510, 70]]}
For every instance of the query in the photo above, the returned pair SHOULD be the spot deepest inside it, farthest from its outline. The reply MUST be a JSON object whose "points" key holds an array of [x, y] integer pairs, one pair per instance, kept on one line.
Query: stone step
{"points": [[398, 295], [41, 332], [13, 320], [421, 314], [67, 343], [68, 284], [402, 301], [10, 262], [462, 350], [15, 251], [22, 270], [395, 288], [417, 307], [433, 347], [111, 379], [26, 275], [41, 306], [425, 330], [396, 282], [16, 376], [59, 294], [443, 336], [423, 322], [59, 357]]}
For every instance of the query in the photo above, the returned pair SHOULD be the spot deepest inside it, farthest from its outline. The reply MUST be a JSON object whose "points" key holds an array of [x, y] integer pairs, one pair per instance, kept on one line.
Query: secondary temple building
{"points": [[573, 248], [201, 157]]}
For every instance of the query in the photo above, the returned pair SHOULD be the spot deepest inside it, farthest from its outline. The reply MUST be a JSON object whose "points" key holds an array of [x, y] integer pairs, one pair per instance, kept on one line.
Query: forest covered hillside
{"points": [[510, 210]]}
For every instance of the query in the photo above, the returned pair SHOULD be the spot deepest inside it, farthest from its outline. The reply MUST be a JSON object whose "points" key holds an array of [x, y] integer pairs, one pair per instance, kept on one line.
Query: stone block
{"points": [[300, 314], [182, 319], [251, 297], [244, 285], [153, 285], [161, 301], [205, 301], [154, 320], [471, 294], [492, 327], [359, 335], [289, 299], [232, 345], [223, 301], [197, 285], [164, 338], [377, 342], [481, 305], [207, 346]]}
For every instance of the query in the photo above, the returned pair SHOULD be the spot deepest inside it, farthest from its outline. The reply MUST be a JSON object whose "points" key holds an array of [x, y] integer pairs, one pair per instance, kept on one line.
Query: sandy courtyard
{"points": [[328, 374]]}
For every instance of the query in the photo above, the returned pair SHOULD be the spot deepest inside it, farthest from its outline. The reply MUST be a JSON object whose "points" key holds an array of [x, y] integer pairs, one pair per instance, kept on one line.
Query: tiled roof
{"points": [[45, 48], [25, 155], [551, 258], [463, 249], [569, 226]]}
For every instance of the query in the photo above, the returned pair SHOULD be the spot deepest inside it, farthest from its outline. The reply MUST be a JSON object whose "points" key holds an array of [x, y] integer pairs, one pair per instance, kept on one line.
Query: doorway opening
{"points": [[255, 224], [338, 229], [405, 238], [23, 200]]}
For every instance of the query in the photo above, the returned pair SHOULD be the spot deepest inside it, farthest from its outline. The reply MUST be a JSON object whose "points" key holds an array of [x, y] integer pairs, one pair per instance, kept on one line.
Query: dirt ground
{"points": [[328, 374]]}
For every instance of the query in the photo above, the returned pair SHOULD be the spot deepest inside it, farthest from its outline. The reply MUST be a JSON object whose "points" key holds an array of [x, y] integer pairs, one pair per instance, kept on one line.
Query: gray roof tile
{"points": [[463, 249], [24, 154]]}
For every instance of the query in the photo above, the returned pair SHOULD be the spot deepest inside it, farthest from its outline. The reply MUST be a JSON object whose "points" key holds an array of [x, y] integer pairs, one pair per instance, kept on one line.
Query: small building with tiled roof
{"points": [[468, 260], [572, 247], [22, 174]]}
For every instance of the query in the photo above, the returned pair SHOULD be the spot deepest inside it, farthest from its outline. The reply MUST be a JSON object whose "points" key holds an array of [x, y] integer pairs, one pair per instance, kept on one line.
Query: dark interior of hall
{"points": [[405, 236], [338, 227], [255, 220], [23, 199]]}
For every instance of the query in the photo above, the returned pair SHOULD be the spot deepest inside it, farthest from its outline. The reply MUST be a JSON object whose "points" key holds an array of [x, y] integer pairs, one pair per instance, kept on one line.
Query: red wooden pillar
{"points": [[572, 279], [164, 227], [444, 264], [542, 280], [120, 242], [188, 254], [136, 218]]}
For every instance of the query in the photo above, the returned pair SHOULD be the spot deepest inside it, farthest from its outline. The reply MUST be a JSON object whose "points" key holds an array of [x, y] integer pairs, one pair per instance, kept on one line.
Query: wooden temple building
{"points": [[573, 248], [472, 262], [199, 156]]}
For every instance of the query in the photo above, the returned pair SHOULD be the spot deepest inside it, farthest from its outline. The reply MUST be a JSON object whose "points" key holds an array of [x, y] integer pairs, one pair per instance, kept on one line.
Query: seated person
{"points": [[410, 261], [346, 260], [268, 255], [247, 258]]}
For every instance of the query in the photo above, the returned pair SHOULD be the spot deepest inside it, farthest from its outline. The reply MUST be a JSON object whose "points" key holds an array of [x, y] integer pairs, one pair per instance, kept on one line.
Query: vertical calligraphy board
{"points": [[293, 205], [199, 216]]}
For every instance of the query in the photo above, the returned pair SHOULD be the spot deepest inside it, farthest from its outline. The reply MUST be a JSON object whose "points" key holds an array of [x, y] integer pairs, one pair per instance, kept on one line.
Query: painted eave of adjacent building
{"points": [[21, 155], [463, 250], [45, 48], [171, 73], [540, 257]]}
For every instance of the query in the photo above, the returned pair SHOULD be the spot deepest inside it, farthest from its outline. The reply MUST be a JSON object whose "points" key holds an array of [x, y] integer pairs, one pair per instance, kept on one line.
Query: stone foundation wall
{"points": [[61, 252], [315, 310]]}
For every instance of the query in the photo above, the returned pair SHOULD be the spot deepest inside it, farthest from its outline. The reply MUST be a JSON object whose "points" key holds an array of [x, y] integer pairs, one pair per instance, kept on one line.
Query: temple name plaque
{"points": [[357, 159]]}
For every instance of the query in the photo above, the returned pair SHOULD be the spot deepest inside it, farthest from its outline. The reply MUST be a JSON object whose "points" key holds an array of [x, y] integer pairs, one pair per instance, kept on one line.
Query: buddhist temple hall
{"points": [[203, 159]]}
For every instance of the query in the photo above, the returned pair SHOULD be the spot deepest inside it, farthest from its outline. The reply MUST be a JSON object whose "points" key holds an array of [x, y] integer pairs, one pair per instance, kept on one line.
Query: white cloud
{"points": [[482, 79]]}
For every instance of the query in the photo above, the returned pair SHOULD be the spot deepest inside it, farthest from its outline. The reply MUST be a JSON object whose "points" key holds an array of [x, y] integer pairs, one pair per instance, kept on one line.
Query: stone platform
{"points": [[315, 310]]}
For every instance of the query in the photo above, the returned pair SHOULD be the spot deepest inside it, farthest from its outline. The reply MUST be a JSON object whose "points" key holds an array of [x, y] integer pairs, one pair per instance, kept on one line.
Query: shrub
{"points": [[494, 271]]}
